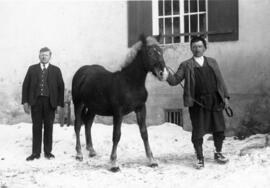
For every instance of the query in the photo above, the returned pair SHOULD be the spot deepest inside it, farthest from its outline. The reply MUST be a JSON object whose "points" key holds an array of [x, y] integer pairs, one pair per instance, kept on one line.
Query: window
{"points": [[178, 20], [174, 116]]}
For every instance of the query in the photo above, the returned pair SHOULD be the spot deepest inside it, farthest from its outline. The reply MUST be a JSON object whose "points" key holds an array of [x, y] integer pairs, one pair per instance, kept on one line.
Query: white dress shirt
{"points": [[199, 60], [42, 66]]}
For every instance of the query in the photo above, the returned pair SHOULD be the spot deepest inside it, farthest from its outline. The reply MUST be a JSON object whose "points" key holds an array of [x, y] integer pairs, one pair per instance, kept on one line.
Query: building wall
{"points": [[78, 33], [90, 32], [244, 63]]}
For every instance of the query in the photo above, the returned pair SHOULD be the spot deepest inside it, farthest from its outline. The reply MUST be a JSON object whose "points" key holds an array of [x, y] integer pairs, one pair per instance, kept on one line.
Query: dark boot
{"points": [[49, 156], [199, 164], [200, 159], [197, 143], [220, 158], [32, 157], [218, 142]]}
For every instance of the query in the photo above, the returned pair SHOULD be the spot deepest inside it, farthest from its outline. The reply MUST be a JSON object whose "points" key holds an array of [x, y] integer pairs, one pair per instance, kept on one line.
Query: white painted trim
{"points": [[206, 16], [155, 17], [189, 27], [172, 21], [182, 23], [198, 17]]}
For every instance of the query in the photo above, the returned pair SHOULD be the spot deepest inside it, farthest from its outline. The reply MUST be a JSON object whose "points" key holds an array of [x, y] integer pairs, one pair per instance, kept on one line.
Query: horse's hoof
{"points": [[115, 169], [79, 158], [92, 154], [153, 165]]}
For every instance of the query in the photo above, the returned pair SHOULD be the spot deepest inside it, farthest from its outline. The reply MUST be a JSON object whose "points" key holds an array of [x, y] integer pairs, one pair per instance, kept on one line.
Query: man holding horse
{"points": [[42, 93], [206, 94]]}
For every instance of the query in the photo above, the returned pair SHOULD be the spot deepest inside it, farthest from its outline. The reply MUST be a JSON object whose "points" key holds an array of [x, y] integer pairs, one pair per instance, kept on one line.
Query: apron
{"points": [[209, 117]]}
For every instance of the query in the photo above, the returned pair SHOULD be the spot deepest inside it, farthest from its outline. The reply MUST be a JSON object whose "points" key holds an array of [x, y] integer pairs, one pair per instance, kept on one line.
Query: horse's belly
{"points": [[127, 111], [100, 109]]}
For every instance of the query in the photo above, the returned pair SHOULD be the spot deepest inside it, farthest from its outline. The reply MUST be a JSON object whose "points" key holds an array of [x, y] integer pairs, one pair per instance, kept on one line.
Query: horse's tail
{"points": [[77, 83]]}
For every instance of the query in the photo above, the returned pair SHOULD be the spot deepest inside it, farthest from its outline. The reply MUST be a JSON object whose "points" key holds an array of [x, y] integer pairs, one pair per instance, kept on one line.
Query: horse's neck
{"points": [[135, 71]]}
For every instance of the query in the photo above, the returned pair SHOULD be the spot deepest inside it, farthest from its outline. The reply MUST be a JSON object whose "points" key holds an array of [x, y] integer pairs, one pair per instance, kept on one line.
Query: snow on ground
{"points": [[171, 147]]}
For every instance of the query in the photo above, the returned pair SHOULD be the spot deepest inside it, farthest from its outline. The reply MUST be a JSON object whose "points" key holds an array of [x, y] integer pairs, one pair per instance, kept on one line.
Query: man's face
{"points": [[197, 49], [45, 57]]}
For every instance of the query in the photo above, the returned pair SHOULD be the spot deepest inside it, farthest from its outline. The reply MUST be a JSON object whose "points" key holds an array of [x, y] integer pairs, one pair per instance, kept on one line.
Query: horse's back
{"points": [[91, 70], [88, 79]]}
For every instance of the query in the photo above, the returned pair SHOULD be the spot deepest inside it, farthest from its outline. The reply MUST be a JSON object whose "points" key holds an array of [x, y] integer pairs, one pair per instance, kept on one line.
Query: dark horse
{"points": [[96, 91]]}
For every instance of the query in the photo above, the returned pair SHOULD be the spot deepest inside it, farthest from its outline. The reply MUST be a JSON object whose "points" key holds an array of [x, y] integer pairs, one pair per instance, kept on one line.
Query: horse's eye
{"points": [[151, 53]]}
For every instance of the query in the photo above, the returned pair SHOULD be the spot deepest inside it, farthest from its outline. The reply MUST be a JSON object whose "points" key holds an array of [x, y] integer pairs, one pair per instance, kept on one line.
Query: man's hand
{"points": [[227, 103], [59, 109], [169, 70], [26, 108]]}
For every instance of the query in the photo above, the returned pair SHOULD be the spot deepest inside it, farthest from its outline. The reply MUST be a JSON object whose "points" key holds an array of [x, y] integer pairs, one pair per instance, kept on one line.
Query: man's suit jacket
{"points": [[30, 89]]}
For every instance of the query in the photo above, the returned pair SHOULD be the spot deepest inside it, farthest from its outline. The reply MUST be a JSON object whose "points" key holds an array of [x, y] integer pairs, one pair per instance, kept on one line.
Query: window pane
{"points": [[193, 6], [186, 6], [168, 29], [160, 7], [193, 23], [160, 24], [202, 5], [168, 7], [176, 29], [186, 20], [202, 23], [175, 7]]}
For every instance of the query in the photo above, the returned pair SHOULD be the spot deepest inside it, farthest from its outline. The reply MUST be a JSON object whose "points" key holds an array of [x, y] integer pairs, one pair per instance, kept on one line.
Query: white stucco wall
{"points": [[77, 32], [89, 32]]}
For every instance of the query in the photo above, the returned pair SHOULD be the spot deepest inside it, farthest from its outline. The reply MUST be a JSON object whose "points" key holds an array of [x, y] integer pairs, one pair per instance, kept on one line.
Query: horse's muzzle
{"points": [[162, 75]]}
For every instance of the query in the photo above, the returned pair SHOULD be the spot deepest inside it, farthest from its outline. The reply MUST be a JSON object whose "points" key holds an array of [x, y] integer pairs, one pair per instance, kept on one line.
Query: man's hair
{"points": [[45, 49], [197, 39]]}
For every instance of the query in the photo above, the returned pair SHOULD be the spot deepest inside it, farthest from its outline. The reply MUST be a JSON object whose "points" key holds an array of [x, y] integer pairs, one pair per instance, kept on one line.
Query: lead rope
{"points": [[227, 109]]}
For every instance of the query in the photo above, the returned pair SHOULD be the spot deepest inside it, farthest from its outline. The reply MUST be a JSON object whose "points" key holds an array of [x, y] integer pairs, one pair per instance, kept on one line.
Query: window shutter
{"points": [[222, 20], [139, 20]]}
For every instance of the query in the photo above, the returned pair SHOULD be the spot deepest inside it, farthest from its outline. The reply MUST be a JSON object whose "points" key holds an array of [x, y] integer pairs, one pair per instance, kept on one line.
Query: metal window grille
{"points": [[174, 116], [178, 20]]}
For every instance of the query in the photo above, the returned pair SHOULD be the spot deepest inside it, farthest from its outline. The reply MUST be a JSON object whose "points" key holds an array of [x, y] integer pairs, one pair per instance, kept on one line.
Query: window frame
{"points": [[181, 16]]}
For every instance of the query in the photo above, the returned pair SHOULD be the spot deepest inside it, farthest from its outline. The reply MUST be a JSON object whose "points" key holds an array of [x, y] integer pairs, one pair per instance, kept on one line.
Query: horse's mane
{"points": [[135, 48]]}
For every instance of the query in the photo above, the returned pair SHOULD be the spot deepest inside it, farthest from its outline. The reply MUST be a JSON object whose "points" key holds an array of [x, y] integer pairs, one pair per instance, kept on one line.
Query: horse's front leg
{"points": [[117, 121], [141, 116]]}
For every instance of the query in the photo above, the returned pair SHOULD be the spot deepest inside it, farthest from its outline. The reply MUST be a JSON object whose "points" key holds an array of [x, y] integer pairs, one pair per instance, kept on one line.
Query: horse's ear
{"points": [[143, 39]]}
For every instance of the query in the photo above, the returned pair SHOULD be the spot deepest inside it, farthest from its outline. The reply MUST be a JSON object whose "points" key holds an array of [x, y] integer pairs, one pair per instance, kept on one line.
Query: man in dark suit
{"points": [[42, 94]]}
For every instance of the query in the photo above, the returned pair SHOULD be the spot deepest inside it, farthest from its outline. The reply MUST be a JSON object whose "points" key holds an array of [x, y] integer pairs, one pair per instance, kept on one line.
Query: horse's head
{"points": [[153, 57]]}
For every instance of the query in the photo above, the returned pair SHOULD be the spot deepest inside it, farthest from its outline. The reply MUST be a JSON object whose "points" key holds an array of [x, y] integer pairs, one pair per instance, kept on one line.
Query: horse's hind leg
{"points": [[77, 127], [117, 121], [141, 115], [88, 136]]}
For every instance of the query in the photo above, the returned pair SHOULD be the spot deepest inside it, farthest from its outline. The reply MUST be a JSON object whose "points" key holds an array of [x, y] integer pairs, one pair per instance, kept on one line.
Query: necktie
{"points": [[44, 68]]}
